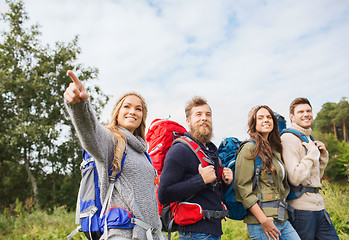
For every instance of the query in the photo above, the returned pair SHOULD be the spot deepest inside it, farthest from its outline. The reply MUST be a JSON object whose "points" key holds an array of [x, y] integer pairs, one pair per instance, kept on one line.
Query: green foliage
{"points": [[325, 118], [39, 149], [338, 155], [37, 225], [337, 205], [23, 221], [233, 229], [334, 118]]}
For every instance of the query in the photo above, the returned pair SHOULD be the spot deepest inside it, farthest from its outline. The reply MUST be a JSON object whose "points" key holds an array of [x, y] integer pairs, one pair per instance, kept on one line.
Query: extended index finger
{"points": [[74, 78]]}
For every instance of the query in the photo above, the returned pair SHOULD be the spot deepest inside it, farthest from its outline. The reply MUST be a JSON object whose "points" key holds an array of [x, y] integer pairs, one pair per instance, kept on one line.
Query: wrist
{"points": [[263, 219]]}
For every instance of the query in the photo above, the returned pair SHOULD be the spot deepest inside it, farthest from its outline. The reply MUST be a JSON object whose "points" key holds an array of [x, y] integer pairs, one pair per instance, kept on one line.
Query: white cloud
{"points": [[234, 53]]}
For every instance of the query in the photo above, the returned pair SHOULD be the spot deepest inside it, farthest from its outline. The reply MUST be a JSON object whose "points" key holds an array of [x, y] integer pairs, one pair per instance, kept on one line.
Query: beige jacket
{"points": [[304, 167]]}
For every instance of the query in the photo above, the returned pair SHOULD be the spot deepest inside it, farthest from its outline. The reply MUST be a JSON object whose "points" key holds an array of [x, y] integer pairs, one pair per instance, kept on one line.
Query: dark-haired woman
{"points": [[266, 198]]}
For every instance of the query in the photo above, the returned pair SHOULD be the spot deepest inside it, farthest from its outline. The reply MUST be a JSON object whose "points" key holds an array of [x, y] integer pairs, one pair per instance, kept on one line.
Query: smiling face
{"points": [[200, 123], [264, 122], [302, 116], [130, 113]]}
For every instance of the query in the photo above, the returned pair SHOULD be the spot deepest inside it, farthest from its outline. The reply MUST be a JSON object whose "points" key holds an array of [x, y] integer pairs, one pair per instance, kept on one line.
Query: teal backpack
{"points": [[228, 151]]}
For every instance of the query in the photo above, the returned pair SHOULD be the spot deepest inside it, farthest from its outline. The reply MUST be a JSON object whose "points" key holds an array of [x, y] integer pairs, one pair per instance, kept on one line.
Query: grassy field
{"points": [[24, 222]]}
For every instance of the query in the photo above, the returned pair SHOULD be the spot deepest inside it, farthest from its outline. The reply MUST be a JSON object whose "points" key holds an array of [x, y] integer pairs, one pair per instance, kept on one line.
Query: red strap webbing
{"points": [[200, 154]]}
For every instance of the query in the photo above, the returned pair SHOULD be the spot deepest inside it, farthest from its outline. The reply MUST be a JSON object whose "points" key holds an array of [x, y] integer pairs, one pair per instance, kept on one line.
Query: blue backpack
{"points": [[281, 122], [91, 213], [228, 151], [298, 191]]}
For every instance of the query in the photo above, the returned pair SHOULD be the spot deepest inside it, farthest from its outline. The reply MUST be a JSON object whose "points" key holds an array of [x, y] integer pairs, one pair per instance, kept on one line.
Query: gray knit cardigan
{"points": [[134, 189]]}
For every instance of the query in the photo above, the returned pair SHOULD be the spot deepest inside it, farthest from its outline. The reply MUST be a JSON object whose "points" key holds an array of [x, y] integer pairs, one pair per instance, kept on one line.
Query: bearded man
{"points": [[184, 179]]}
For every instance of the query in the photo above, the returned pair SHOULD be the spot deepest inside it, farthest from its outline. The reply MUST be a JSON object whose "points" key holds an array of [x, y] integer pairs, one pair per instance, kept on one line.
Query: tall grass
{"points": [[26, 223], [36, 224], [337, 205]]}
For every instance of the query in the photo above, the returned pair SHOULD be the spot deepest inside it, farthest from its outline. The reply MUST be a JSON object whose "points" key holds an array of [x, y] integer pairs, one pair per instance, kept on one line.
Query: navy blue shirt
{"points": [[180, 180]]}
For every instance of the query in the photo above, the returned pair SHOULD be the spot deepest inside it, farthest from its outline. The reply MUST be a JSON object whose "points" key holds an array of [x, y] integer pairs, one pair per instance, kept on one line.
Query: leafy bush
{"points": [[36, 225], [337, 168], [22, 221], [337, 205]]}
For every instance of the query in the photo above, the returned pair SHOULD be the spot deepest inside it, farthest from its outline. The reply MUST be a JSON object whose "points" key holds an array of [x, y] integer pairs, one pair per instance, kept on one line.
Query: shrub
{"points": [[22, 221]]}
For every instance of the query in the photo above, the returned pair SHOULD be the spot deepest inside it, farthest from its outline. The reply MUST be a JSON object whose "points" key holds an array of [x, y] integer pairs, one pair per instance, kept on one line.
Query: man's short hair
{"points": [[297, 101], [194, 102]]}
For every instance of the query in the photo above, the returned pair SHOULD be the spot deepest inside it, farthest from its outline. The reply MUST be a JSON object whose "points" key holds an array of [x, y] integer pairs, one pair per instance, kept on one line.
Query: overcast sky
{"points": [[236, 54]]}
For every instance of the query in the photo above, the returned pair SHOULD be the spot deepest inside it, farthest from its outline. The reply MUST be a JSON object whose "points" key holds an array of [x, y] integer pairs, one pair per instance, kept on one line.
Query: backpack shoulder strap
{"points": [[85, 155], [259, 163], [110, 172], [311, 137], [257, 171], [148, 156], [298, 134], [200, 154], [112, 180]]}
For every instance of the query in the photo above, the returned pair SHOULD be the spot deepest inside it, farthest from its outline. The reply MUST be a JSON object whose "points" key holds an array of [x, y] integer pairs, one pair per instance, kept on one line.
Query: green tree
{"points": [[334, 118], [338, 155], [35, 134], [342, 117], [324, 121]]}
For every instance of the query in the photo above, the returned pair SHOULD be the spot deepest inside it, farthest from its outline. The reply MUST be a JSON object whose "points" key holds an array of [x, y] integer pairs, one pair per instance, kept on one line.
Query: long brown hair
{"points": [[264, 148], [113, 126]]}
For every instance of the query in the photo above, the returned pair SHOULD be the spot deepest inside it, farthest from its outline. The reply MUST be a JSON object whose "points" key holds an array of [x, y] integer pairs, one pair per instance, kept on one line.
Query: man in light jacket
{"points": [[305, 164]]}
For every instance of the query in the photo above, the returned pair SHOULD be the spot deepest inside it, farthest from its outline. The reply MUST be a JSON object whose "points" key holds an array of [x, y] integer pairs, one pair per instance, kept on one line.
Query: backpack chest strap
{"points": [[312, 189], [207, 214], [281, 205]]}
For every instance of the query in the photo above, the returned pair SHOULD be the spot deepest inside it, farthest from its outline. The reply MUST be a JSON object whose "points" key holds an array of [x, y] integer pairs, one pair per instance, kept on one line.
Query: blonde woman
{"points": [[134, 189]]}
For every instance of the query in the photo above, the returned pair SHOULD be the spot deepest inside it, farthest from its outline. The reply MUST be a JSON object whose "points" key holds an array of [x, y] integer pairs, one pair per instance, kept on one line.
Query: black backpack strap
{"points": [[281, 205], [257, 171], [207, 214]]}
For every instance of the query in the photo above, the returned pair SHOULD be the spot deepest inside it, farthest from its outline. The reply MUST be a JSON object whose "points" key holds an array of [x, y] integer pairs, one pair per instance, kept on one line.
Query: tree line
{"points": [[331, 126], [39, 152]]}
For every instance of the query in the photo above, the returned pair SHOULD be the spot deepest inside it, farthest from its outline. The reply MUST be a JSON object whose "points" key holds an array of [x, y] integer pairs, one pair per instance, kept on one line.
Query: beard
{"points": [[203, 135]]}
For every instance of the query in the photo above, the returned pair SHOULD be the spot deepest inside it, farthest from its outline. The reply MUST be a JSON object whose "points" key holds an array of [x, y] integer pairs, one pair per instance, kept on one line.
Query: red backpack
{"points": [[160, 137]]}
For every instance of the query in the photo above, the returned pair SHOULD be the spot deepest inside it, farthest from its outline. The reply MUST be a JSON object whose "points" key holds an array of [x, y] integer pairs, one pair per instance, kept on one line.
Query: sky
{"points": [[236, 54]]}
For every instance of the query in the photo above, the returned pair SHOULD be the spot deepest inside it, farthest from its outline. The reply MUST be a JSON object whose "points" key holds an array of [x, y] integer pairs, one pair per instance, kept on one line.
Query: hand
{"points": [[227, 175], [321, 146], [309, 145], [75, 92], [208, 173], [269, 228]]}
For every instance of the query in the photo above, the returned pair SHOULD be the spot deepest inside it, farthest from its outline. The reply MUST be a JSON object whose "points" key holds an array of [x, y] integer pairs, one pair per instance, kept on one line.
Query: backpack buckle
{"points": [[208, 160]]}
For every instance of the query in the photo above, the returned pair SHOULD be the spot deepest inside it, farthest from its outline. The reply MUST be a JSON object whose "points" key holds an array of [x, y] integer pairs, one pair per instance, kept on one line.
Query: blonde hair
{"points": [[113, 126]]}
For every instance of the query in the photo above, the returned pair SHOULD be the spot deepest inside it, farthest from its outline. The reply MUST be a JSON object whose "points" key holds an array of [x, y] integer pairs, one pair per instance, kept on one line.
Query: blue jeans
{"points": [[197, 236], [287, 231], [313, 225]]}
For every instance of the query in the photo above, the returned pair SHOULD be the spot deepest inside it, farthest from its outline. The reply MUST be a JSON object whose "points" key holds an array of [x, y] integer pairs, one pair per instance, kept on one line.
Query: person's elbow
{"points": [[162, 196], [294, 181]]}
